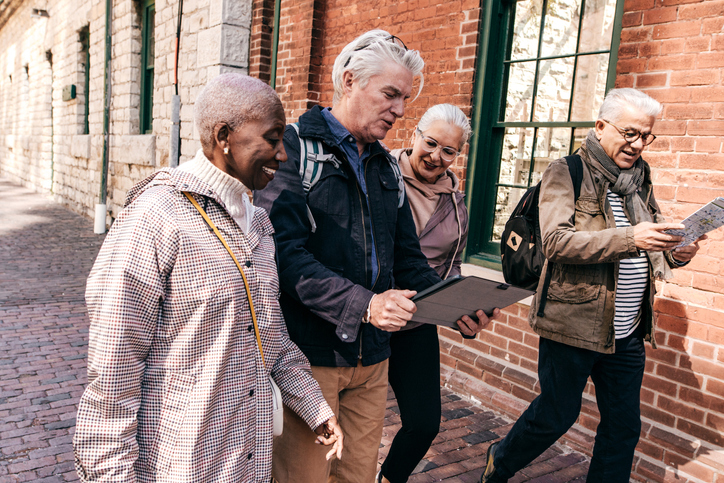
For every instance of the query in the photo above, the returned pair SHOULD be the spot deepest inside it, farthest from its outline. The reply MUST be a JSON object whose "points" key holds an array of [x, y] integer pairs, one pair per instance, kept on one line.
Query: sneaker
{"points": [[487, 475]]}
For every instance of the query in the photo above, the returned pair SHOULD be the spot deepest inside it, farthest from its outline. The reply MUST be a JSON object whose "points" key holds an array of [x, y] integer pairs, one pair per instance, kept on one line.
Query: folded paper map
{"points": [[707, 218]]}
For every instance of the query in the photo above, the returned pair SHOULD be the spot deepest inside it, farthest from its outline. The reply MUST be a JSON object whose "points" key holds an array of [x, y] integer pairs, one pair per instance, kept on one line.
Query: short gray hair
{"points": [[451, 115], [617, 100], [367, 55], [232, 99]]}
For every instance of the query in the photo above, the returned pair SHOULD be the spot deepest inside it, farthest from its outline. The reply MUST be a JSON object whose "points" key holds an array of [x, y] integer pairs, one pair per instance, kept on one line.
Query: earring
{"points": [[226, 150]]}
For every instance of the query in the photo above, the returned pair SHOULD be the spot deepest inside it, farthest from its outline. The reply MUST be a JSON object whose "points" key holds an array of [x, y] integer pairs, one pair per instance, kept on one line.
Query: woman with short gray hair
{"points": [[187, 339]]}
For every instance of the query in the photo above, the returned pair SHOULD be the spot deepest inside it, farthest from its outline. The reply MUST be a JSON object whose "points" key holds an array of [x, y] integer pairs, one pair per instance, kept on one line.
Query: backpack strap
{"points": [[395, 165], [575, 169]]}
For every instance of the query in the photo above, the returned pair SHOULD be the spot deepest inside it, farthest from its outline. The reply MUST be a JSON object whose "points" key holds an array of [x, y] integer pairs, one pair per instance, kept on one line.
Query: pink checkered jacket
{"points": [[177, 391]]}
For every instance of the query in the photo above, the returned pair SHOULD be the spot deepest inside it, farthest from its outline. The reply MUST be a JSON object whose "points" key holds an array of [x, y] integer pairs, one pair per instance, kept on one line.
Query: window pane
{"points": [[506, 201], [579, 134], [561, 27], [555, 78], [520, 91], [515, 160], [597, 27], [151, 36], [550, 144], [526, 30], [590, 87]]}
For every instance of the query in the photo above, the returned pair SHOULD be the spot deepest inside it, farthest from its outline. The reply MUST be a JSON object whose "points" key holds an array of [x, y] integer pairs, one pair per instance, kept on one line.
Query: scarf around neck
{"points": [[626, 183]]}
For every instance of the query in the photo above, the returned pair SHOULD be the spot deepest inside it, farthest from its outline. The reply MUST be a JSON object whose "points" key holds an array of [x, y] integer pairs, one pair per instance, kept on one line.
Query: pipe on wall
{"points": [[100, 214], [275, 44]]}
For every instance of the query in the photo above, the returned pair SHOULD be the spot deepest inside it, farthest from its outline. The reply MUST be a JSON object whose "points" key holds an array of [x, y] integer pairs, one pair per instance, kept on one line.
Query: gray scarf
{"points": [[626, 183]]}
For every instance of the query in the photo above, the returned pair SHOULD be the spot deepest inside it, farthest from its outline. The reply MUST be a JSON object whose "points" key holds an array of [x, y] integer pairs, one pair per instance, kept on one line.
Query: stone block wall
{"points": [[48, 151]]}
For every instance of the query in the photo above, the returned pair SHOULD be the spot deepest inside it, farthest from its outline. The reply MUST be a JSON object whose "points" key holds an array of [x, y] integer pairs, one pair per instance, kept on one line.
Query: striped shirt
{"points": [[633, 279]]}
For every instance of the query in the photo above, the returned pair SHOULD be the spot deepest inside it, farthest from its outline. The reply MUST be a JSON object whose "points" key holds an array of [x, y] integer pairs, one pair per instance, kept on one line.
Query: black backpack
{"points": [[521, 249]]}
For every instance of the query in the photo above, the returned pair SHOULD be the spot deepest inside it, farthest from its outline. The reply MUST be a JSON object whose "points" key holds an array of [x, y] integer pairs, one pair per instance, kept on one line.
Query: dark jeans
{"points": [[563, 371], [414, 375]]}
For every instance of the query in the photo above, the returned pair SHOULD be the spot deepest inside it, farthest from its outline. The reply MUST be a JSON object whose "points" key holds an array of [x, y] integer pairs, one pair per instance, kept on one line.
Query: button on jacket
{"points": [[326, 276], [177, 389]]}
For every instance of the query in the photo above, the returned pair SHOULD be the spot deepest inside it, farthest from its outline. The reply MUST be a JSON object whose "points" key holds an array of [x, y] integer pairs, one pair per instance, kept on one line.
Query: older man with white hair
{"points": [[604, 252], [346, 240]]}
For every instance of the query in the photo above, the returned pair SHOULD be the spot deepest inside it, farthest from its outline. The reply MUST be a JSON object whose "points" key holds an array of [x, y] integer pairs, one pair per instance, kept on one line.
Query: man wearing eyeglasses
{"points": [[603, 252], [344, 243]]}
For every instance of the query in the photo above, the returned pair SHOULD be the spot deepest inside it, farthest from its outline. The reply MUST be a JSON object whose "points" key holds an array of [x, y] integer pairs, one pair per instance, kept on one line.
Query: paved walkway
{"points": [[46, 253]]}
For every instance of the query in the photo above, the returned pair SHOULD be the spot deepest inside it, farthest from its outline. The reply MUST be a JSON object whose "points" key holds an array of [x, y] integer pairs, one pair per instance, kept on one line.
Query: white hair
{"points": [[232, 99], [367, 56], [451, 115], [617, 100]]}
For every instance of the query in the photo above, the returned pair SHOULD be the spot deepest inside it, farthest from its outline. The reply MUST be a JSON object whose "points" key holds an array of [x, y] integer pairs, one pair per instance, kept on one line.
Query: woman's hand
{"points": [[469, 327], [328, 433]]}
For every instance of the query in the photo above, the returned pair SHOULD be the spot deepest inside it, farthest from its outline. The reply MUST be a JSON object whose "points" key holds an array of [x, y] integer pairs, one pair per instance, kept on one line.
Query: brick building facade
{"points": [[673, 50], [481, 56]]}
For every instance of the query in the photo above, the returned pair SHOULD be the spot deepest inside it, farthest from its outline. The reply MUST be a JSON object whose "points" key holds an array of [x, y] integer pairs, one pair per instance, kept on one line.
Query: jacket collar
{"points": [[312, 124]]}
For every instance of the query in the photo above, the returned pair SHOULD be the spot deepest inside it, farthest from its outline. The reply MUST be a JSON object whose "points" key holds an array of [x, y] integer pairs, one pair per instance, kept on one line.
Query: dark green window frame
{"points": [[85, 54], [489, 127], [148, 44]]}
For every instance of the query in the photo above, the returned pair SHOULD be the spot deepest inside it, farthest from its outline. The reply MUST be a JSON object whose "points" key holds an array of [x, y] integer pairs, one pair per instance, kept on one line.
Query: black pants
{"points": [[414, 375], [563, 371]]}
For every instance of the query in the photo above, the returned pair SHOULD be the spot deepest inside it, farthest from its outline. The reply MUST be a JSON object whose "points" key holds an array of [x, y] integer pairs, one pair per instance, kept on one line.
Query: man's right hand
{"points": [[651, 237], [391, 310]]}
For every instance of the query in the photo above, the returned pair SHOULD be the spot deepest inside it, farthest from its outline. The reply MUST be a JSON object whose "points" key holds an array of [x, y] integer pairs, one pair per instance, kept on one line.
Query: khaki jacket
{"points": [[583, 248]]}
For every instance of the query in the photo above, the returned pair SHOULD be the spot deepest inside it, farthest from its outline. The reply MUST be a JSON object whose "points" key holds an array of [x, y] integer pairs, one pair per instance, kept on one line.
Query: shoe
{"points": [[487, 475]]}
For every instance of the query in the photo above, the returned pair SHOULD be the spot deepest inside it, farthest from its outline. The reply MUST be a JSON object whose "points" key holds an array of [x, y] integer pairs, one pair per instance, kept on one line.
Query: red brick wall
{"points": [[672, 49], [260, 44]]}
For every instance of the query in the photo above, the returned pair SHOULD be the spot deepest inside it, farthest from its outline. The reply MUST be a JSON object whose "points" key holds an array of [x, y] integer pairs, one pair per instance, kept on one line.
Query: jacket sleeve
{"points": [[123, 296], [325, 293], [300, 391], [562, 243]]}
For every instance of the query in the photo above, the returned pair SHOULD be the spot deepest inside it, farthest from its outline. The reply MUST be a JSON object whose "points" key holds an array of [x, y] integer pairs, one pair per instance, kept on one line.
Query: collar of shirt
{"points": [[348, 144]]}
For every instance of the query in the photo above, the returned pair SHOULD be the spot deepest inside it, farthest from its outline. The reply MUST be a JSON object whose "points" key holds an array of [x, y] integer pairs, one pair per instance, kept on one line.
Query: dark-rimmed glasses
{"points": [[429, 145], [632, 135], [390, 38]]}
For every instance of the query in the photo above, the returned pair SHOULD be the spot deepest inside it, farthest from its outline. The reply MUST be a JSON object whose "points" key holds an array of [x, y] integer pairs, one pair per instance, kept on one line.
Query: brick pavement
{"points": [[46, 253]]}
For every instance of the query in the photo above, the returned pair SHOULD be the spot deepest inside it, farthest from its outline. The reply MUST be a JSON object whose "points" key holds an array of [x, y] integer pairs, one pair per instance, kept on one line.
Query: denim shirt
{"points": [[349, 145]]}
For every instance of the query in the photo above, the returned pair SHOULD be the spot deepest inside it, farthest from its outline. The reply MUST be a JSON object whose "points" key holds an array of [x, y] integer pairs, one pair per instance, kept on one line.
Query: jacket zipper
{"points": [[364, 235], [372, 228]]}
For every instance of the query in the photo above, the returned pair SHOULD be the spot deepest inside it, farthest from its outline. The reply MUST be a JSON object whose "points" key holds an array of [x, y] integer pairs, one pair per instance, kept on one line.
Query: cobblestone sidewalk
{"points": [[46, 253]]}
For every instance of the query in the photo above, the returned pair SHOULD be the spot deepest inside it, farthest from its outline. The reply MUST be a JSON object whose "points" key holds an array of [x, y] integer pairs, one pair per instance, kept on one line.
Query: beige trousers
{"points": [[358, 396]]}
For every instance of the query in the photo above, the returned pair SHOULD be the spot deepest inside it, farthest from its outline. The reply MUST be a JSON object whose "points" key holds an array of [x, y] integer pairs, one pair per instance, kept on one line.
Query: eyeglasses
{"points": [[392, 38], [429, 145], [632, 135]]}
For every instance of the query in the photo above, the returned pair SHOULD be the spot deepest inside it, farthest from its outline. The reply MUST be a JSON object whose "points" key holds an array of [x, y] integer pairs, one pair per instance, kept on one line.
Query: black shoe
{"points": [[488, 474]]}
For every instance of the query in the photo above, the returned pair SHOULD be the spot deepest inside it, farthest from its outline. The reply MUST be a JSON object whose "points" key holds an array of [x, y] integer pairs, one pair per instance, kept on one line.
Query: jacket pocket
{"points": [[572, 293], [390, 195], [589, 216], [175, 403]]}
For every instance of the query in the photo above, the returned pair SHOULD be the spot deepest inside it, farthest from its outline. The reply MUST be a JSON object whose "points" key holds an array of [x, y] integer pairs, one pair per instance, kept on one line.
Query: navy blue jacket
{"points": [[326, 276]]}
